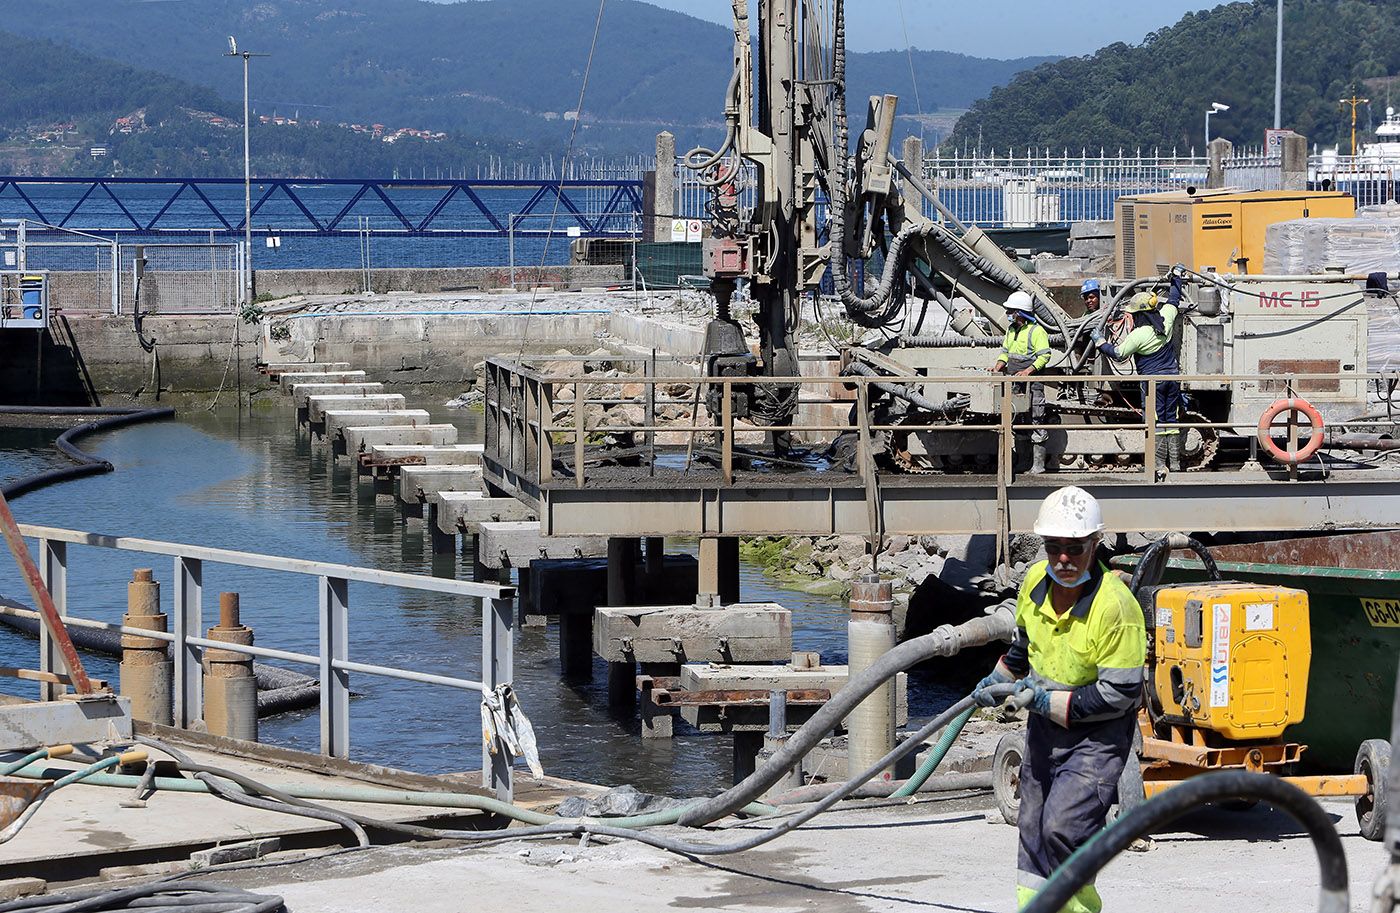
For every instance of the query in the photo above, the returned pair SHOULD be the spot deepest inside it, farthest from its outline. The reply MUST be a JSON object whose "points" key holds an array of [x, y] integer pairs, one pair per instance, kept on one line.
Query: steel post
{"points": [[871, 634], [230, 691], [53, 570], [146, 669], [497, 670], [188, 622], [335, 683]]}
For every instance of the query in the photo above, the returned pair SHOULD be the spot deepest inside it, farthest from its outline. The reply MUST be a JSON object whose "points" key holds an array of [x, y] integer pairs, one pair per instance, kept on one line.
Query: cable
{"points": [[1080, 869], [165, 895]]}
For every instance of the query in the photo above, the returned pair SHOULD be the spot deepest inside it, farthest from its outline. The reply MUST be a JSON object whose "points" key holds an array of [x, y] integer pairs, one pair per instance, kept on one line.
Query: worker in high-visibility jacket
{"points": [[1026, 351], [1153, 351], [1078, 655]]}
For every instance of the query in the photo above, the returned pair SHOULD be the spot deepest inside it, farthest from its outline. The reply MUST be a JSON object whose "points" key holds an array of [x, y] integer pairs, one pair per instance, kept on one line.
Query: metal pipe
{"points": [[870, 634]]}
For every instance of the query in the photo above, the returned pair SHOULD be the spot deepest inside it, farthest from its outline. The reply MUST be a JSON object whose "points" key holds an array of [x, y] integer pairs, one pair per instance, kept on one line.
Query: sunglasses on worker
{"points": [[1072, 547]]}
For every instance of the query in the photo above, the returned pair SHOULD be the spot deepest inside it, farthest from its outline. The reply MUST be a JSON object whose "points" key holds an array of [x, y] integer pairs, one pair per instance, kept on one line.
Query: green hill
{"points": [[1155, 94], [489, 68]]}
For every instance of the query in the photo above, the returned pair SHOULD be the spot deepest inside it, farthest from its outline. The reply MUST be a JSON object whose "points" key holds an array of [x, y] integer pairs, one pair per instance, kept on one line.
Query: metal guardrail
{"points": [[332, 661]]}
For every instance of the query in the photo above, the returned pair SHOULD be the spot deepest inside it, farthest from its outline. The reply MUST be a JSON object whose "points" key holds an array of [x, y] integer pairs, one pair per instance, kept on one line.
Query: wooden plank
{"points": [[740, 633]]}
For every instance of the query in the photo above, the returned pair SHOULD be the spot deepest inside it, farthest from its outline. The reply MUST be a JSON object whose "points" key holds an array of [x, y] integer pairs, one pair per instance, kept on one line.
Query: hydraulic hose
{"points": [[946, 640], [935, 756], [954, 782], [1194, 793], [68, 778], [1153, 563], [912, 397], [165, 896], [87, 464]]}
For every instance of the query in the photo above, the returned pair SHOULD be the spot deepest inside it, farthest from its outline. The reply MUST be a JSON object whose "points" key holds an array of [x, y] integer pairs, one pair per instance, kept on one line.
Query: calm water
{"points": [[253, 485]]}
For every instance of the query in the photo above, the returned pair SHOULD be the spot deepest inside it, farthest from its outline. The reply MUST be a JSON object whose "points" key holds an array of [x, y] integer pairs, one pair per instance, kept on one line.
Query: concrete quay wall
{"points": [[281, 283]]}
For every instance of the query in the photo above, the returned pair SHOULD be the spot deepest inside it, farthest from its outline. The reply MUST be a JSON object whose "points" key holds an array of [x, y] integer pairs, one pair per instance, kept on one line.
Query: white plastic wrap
{"points": [[1309, 246]]}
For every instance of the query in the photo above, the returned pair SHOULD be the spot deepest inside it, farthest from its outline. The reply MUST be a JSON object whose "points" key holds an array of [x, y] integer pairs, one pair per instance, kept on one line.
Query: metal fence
{"points": [[333, 663], [182, 278]]}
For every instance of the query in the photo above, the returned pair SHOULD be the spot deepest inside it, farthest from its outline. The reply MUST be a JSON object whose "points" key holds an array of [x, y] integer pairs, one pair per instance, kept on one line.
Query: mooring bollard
{"points": [[230, 691], [870, 726], [774, 741], [146, 668]]}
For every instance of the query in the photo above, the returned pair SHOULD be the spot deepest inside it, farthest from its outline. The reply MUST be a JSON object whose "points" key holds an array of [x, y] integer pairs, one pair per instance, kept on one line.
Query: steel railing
{"points": [[332, 662]]}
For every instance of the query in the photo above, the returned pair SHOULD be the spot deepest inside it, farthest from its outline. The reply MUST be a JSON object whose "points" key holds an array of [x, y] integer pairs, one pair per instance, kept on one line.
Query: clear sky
{"points": [[987, 28]]}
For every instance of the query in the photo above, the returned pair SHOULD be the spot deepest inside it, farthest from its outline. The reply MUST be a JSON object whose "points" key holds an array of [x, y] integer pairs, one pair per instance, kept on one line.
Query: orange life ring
{"points": [[1298, 405]]}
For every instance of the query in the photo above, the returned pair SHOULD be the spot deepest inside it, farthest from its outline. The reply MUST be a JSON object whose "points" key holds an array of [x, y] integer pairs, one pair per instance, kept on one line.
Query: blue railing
{"points": [[437, 208]]}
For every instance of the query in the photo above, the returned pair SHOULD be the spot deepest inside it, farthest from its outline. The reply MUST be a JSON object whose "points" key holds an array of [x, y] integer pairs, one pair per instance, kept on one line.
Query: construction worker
{"points": [[1025, 351], [1078, 653], [1151, 347], [1092, 295]]}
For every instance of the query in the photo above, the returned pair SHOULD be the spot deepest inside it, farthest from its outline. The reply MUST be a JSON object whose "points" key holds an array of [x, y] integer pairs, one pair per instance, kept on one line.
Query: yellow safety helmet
{"points": [[1142, 301]]}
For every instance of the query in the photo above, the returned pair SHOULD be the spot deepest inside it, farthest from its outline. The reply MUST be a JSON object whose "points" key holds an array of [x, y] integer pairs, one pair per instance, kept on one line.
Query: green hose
{"points": [[935, 757], [386, 797]]}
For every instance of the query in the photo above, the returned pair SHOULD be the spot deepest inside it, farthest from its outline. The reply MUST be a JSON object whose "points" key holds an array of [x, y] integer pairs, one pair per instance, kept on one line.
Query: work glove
{"points": [[1174, 296], [1097, 338], [1039, 699], [980, 695]]}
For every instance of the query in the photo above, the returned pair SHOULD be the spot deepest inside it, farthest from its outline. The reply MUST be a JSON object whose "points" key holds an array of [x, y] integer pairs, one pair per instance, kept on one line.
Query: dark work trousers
{"points": [[1171, 402], [1069, 780]]}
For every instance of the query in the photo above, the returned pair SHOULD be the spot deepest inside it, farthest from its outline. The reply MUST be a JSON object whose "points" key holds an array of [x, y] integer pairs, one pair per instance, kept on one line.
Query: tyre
{"points": [[1373, 762], [1006, 774]]}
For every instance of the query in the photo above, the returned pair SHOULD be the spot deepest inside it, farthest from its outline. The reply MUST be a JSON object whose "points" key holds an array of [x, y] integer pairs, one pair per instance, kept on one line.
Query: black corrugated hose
{"points": [[166, 896], [1153, 563], [1197, 792], [87, 464]]}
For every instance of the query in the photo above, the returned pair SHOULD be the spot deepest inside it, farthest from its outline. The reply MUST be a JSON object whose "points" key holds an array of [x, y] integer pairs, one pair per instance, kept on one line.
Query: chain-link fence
{"points": [[81, 267], [181, 278]]}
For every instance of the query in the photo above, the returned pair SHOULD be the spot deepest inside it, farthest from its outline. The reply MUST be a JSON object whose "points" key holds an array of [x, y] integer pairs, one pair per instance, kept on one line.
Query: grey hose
{"points": [[913, 397], [943, 641], [172, 897], [883, 789]]}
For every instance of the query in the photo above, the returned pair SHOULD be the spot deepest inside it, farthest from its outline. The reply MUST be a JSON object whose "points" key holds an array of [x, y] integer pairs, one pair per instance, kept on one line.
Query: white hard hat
{"points": [[1070, 513], [1020, 301]]}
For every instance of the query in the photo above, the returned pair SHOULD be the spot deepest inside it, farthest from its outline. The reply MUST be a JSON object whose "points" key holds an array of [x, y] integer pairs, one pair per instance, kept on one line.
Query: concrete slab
{"points": [[426, 455], [277, 370], [725, 677], [418, 483], [936, 853], [338, 419], [302, 392], [465, 511], [316, 406], [740, 633], [359, 439], [286, 381], [516, 544], [22, 726]]}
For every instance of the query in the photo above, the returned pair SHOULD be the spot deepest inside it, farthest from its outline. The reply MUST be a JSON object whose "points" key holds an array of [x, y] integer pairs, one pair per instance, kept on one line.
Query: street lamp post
{"points": [[1215, 108], [1278, 72], [233, 51]]}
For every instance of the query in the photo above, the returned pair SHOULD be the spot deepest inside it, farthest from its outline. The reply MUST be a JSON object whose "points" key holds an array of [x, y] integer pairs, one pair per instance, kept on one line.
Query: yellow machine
{"points": [[1227, 675], [1212, 230]]}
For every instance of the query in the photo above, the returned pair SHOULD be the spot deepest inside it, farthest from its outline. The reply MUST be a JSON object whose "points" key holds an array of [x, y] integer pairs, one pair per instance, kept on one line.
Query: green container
{"points": [[1353, 587]]}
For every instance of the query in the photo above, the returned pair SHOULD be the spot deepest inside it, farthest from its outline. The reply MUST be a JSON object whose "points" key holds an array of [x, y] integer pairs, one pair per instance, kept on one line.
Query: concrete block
{"points": [[286, 381], [360, 439], [278, 369], [15, 888], [302, 392], [316, 406], [338, 419], [418, 483], [465, 511], [743, 632], [1092, 248], [719, 677], [1096, 229], [426, 455], [235, 852], [516, 544], [104, 719]]}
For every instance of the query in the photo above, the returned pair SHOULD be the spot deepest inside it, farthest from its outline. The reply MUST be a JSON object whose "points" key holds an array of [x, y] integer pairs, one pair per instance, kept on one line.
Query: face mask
{"points": [[1083, 579]]}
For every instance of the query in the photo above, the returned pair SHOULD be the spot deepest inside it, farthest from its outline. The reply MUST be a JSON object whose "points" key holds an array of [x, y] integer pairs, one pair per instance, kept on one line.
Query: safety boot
{"points": [[1038, 460], [1163, 457], [1174, 449]]}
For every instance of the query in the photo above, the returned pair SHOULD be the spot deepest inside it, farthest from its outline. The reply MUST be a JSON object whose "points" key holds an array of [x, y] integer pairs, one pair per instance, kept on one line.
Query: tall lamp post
{"points": [[1278, 71], [1215, 108], [233, 51]]}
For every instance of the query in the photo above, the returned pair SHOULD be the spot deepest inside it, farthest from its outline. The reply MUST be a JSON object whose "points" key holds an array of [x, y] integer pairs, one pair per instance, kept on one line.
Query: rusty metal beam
{"points": [[737, 698]]}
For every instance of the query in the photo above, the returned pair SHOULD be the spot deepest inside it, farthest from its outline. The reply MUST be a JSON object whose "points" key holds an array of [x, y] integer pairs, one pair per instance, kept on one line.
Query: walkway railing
{"points": [[332, 662]]}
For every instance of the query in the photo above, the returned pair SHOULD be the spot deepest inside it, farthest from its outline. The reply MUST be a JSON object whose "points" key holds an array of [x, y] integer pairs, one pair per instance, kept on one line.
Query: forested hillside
{"points": [[1155, 94]]}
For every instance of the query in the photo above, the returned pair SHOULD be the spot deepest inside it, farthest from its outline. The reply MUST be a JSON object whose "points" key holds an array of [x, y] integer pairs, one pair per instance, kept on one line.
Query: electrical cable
{"points": [[165, 895], [1197, 792]]}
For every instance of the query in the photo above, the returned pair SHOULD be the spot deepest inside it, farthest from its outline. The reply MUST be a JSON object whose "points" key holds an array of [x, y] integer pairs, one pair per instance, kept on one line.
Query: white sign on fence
{"points": [[678, 231], [694, 230]]}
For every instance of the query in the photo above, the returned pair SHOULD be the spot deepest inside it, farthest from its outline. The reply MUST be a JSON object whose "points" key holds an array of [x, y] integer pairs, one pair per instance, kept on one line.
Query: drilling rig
{"points": [[790, 198]]}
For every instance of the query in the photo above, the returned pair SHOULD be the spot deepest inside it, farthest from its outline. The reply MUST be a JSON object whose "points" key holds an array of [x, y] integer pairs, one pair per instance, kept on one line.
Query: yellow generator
{"points": [[1212, 230]]}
